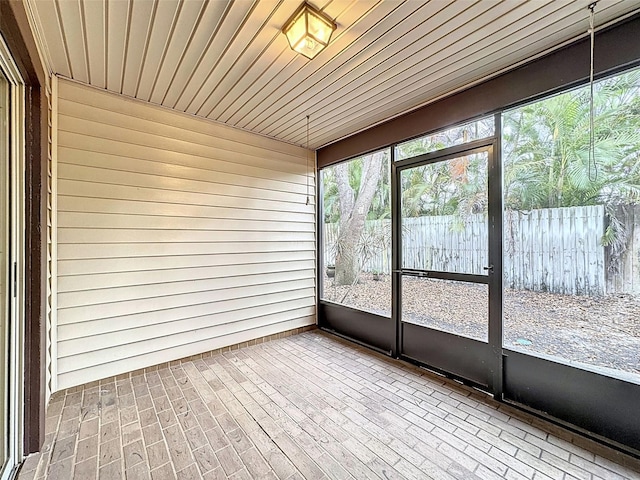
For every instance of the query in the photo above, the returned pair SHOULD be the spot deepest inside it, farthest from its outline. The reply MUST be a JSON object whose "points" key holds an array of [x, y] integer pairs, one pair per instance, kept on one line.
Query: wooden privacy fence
{"points": [[555, 250], [623, 273]]}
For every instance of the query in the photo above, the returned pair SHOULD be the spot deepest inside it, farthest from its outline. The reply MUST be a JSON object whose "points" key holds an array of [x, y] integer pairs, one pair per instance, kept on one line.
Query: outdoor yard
{"points": [[601, 331]]}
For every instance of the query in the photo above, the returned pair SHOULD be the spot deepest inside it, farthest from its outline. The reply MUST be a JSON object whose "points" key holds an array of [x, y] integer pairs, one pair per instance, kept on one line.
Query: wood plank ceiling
{"points": [[229, 62]]}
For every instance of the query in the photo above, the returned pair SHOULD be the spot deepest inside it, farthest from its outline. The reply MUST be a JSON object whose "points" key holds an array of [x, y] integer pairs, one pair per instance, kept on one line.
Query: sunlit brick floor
{"points": [[304, 406]]}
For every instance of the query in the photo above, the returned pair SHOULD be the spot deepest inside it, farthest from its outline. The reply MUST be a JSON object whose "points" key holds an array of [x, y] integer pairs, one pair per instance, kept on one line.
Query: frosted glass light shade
{"points": [[308, 31]]}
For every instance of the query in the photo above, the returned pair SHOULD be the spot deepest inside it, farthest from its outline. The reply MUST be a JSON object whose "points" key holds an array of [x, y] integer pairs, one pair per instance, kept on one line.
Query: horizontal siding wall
{"points": [[175, 236]]}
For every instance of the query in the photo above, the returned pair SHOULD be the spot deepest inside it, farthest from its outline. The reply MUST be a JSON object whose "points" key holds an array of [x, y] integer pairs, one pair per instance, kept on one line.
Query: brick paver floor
{"points": [[305, 406]]}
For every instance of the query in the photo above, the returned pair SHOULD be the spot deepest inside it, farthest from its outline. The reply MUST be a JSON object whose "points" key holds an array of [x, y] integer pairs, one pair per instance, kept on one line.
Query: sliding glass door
{"points": [[11, 238], [5, 311]]}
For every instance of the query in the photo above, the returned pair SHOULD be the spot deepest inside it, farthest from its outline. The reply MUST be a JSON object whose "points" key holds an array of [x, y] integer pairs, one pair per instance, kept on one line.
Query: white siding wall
{"points": [[175, 235]]}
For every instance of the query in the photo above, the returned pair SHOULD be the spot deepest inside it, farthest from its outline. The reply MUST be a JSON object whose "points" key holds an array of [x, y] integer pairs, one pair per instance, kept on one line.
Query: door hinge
{"points": [[15, 279]]}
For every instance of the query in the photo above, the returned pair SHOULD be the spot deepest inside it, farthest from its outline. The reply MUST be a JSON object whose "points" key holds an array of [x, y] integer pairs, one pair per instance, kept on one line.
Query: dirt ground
{"points": [[598, 331]]}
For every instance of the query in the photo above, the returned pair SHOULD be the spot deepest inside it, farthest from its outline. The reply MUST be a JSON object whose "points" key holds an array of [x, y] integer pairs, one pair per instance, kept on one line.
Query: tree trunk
{"points": [[353, 213], [347, 264]]}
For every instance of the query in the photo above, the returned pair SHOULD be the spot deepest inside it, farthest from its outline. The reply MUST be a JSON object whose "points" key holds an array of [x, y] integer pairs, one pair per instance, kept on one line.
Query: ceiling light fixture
{"points": [[308, 30]]}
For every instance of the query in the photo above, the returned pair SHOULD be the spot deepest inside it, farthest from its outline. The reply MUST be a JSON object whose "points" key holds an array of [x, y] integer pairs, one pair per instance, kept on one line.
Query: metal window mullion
{"points": [[437, 156], [319, 244], [396, 251], [496, 259]]}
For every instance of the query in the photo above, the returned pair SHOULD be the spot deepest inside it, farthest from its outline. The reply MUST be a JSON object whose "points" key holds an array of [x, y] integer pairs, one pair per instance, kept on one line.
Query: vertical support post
{"points": [[495, 259], [319, 243], [396, 252]]}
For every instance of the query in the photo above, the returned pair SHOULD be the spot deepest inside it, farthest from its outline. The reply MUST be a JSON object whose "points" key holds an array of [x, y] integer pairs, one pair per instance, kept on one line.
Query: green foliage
{"points": [[482, 128], [609, 236], [454, 187], [546, 144], [546, 160]]}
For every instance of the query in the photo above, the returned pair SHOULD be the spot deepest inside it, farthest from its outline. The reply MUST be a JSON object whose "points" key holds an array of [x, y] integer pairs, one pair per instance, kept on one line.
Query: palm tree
{"points": [[548, 162], [546, 148]]}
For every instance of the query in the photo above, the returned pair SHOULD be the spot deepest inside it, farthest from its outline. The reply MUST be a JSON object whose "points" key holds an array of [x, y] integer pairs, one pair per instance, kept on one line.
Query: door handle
{"points": [[488, 269], [411, 273]]}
